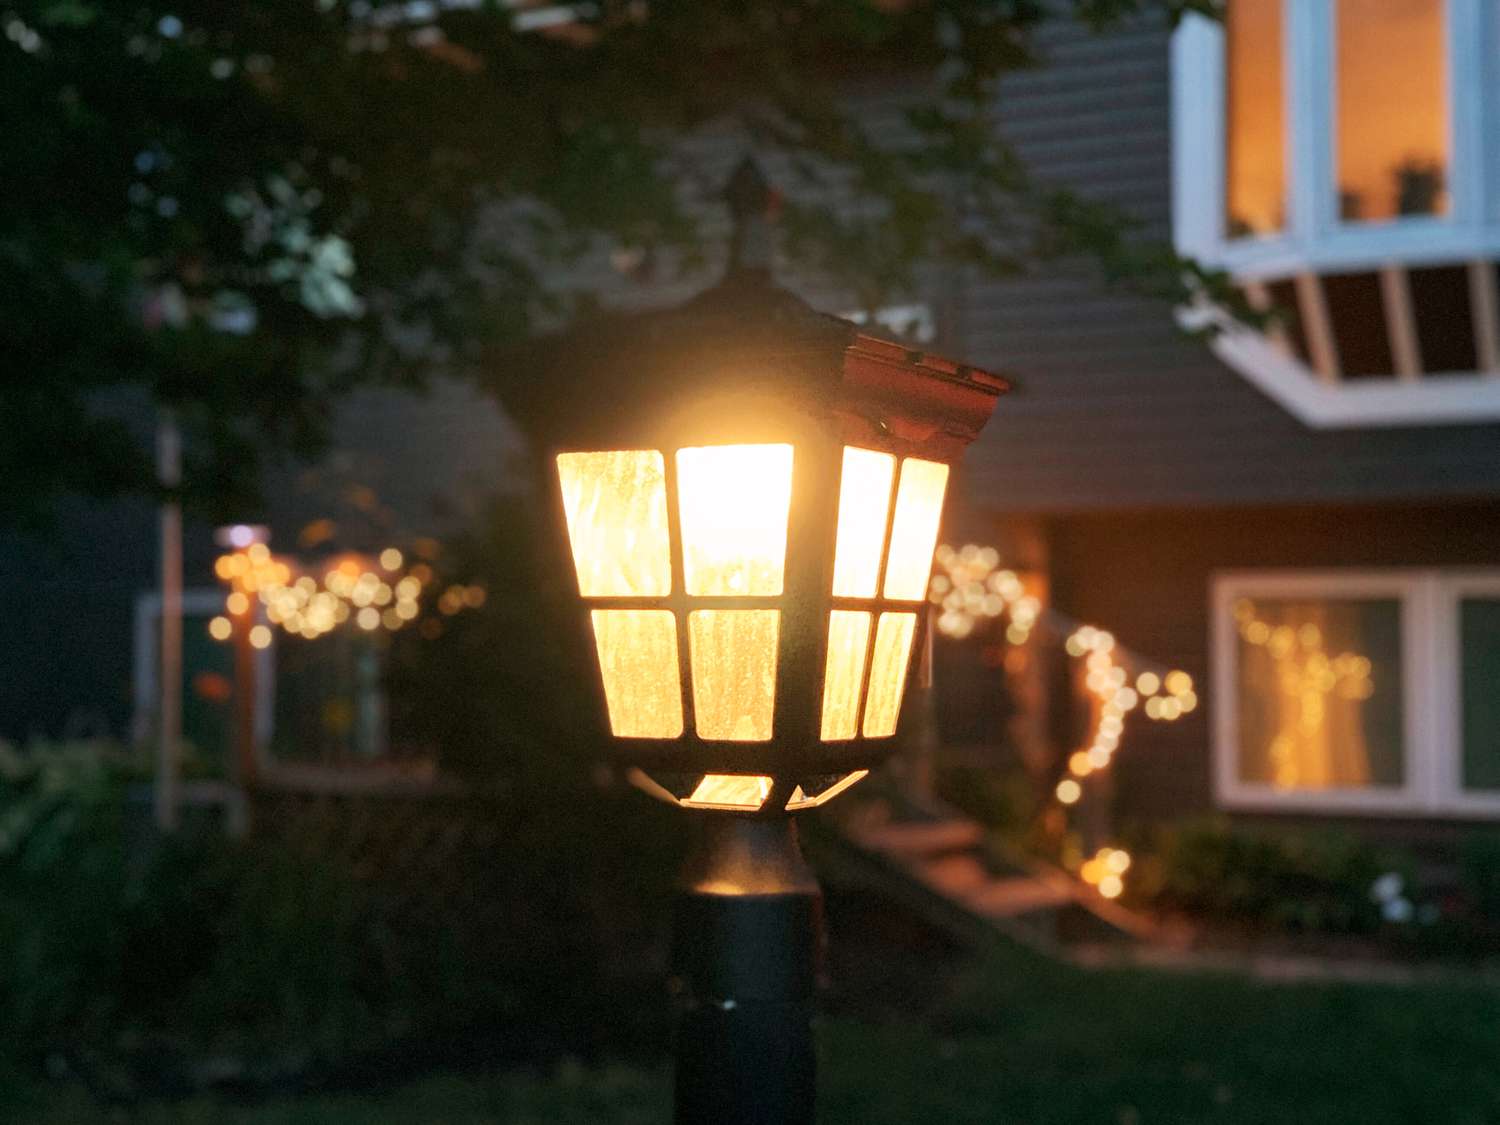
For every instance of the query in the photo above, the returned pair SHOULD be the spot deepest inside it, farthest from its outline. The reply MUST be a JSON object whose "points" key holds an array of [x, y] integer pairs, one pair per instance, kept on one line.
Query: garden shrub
{"points": [[1315, 880]]}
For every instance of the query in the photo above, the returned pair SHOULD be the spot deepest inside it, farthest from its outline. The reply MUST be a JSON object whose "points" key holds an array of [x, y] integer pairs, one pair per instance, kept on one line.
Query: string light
{"points": [[1306, 675], [350, 590], [970, 586], [1105, 872]]}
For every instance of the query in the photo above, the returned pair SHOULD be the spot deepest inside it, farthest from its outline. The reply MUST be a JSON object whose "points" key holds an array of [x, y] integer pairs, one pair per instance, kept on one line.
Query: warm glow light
{"points": [[260, 637], [616, 506], [1391, 129], [893, 638], [219, 628], [919, 509], [848, 638], [729, 791], [732, 501], [390, 558], [1068, 791], [1110, 886], [237, 603], [733, 655], [368, 618], [800, 800], [864, 502], [638, 663], [1256, 155]]}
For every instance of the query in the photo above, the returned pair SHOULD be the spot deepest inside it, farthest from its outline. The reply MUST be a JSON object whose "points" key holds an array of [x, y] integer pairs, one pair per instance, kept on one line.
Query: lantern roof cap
{"points": [[747, 323]]}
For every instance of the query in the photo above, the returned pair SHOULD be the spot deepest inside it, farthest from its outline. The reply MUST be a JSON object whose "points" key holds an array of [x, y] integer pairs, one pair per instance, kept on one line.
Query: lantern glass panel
{"points": [[800, 799], [638, 663], [864, 505], [616, 505], [848, 640], [919, 509], [729, 791], [734, 672], [893, 637], [733, 502]]}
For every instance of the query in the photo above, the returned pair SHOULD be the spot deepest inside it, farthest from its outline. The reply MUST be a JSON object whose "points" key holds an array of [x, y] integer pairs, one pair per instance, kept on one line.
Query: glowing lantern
{"points": [[752, 493], [752, 524]]}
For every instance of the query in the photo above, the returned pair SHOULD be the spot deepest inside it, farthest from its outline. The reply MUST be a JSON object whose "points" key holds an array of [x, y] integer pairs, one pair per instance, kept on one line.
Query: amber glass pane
{"points": [[1392, 126], [864, 503], [800, 800], [729, 791], [893, 637], [733, 502], [1255, 93], [638, 662], [919, 508], [734, 672], [616, 504], [848, 638]]}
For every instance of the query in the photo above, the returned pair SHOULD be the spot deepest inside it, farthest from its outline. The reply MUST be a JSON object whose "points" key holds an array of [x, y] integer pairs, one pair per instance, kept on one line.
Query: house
{"points": [[1306, 518]]}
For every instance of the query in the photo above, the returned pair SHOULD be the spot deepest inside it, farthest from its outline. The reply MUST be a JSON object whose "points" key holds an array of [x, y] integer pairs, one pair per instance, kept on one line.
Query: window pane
{"points": [[638, 663], [1392, 109], [1254, 94], [1319, 693], [734, 672], [1479, 635], [733, 501], [616, 504], [848, 639], [919, 510], [893, 637], [864, 502]]}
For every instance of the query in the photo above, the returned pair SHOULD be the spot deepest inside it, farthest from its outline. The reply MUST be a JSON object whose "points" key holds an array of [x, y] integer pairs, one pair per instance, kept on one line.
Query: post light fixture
{"points": [[752, 501]]}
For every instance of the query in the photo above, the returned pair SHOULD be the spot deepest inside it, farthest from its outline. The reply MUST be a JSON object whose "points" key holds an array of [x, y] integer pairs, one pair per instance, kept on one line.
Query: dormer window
{"points": [[1340, 159]]}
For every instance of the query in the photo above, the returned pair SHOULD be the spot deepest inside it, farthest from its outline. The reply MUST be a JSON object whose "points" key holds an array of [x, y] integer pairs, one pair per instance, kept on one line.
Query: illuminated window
{"points": [[1392, 118], [1256, 118], [1357, 691], [1319, 693]]}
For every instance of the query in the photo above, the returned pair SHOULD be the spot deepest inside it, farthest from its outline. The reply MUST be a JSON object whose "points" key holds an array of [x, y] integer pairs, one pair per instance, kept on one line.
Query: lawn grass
{"points": [[1020, 1039]]}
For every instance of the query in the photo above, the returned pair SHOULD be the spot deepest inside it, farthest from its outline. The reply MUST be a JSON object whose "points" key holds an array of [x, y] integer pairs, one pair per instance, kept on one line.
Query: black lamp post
{"points": [[752, 505]]}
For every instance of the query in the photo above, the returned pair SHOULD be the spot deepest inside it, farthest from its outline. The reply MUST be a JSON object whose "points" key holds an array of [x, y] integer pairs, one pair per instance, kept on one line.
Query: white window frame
{"points": [[1448, 667], [1315, 238], [1433, 765]]}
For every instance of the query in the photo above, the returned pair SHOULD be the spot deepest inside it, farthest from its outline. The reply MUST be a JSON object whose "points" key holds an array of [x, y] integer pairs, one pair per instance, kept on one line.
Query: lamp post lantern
{"points": [[752, 504]]}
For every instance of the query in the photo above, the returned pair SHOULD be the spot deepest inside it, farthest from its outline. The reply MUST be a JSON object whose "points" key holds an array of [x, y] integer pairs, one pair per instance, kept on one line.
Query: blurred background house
{"points": [[1306, 516]]}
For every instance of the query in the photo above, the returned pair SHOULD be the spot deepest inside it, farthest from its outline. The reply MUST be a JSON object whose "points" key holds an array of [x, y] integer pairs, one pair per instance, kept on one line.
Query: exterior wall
{"points": [[1145, 576], [1116, 407]]}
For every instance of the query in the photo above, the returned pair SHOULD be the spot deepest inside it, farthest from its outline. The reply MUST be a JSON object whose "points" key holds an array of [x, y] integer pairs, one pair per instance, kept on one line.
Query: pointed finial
{"points": [[751, 201]]}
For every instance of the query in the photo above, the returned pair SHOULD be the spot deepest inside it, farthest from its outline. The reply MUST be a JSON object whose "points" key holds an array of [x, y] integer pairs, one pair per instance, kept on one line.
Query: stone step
{"points": [[1009, 898], [922, 838], [954, 874]]}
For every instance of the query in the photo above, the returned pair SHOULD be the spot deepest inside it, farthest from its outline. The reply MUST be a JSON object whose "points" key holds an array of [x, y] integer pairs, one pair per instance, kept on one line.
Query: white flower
{"points": [[1396, 910], [1387, 887]]}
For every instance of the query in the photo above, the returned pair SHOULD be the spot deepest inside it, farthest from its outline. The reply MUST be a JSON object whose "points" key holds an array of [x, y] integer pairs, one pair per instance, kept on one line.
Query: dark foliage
{"points": [[238, 211]]}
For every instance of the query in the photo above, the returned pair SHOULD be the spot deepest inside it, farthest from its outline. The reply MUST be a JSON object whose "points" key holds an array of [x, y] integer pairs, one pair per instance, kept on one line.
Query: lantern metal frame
{"points": [[749, 363]]}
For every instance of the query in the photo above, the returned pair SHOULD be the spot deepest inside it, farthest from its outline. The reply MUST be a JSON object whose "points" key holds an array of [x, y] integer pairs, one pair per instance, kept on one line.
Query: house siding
{"points": [[1145, 576], [1116, 407]]}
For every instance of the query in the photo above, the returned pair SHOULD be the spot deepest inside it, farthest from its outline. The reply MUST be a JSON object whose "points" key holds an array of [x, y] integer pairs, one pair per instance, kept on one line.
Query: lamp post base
{"points": [[747, 945]]}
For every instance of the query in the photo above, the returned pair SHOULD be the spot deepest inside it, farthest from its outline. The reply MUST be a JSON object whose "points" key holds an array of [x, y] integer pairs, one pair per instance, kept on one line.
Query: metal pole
{"points": [[169, 706], [747, 948]]}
